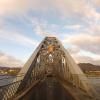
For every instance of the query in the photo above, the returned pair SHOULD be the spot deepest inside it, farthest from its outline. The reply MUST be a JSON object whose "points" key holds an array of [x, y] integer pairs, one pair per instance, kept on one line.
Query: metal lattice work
{"points": [[7, 90], [50, 58]]}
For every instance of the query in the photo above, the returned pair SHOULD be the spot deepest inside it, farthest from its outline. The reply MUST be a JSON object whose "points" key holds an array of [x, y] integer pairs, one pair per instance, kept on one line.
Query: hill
{"points": [[9, 70], [89, 67]]}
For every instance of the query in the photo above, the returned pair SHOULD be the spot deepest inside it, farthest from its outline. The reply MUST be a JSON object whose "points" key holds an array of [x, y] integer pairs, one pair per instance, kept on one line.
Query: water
{"points": [[95, 82], [6, 79]]}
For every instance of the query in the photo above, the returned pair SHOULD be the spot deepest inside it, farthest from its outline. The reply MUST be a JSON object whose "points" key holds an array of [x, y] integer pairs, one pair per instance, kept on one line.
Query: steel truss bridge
{"points": [[49, 74]]}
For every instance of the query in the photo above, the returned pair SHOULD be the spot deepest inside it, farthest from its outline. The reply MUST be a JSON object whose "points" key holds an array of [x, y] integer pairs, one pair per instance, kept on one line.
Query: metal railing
{"points": [[10, 90], [8, 86]]}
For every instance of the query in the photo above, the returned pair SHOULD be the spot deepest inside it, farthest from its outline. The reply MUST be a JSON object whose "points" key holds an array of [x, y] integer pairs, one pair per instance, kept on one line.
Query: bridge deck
{"points": [[49, 89]]}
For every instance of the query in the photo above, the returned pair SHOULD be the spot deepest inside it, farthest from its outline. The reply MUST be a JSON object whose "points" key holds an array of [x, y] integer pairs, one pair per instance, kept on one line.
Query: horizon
{"points": [[24, 24], [23, 65]]}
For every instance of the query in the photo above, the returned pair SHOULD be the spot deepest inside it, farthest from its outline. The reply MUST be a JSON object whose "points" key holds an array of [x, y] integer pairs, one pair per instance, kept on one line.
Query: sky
{"points": [[25, 23]]}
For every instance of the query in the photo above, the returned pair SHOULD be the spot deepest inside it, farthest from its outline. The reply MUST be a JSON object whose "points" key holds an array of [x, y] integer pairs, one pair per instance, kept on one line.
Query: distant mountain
{"points": [[7, 68], [89, 67]]}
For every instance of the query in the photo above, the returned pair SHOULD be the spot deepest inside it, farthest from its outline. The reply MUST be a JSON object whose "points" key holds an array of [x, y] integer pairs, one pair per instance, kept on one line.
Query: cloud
{"points": [[96, 3], [83, 15], [73, 50], [84, 47], [86, 42], [63, 8], [69, 7], [77, 10], [75, 27], [9, 61], [86, 59], [41, 31], [84, 39], [17, 38], [12, 6], [16, 7], [42, 28]]}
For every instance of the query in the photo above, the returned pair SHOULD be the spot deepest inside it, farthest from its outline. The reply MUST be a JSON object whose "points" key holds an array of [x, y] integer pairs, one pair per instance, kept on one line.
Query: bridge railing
{"points": [[35, 76], [76, 80], [10, 89], [8, 86]]}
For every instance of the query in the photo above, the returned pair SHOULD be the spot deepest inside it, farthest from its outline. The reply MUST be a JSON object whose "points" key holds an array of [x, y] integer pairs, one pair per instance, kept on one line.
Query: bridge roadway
{"points": [[48, 89]]}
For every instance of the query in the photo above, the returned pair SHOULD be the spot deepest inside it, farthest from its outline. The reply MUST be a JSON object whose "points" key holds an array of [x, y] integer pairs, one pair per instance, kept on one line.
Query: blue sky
{"points": [[24, 23]]}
